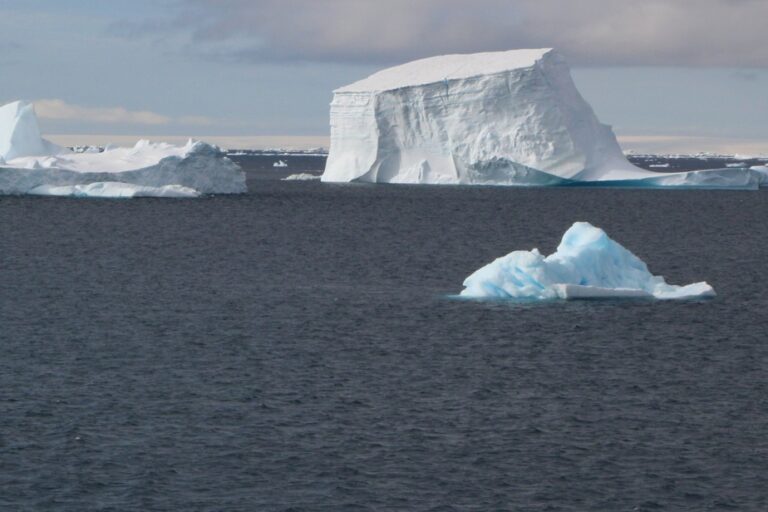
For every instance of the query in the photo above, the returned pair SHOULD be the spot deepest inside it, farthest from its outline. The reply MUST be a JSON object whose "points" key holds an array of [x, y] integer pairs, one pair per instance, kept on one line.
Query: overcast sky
{"points": [[667, 74]]}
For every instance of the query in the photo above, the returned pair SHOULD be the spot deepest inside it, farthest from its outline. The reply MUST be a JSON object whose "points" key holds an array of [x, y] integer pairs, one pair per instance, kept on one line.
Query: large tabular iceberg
{"points": [[587, 264], [31, 165], [500, 118]]}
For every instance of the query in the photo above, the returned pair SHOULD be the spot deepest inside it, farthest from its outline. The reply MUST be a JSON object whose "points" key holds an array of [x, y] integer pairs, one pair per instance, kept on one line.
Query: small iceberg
{"points": [[302, 176], [588, 264]]}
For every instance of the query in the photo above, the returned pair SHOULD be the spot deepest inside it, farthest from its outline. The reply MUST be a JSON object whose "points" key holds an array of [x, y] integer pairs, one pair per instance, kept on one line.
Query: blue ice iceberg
{"points": [[587, 264]]}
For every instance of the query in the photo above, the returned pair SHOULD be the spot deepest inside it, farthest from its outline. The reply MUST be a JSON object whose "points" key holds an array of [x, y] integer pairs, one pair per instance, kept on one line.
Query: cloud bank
{"points": [[57, 109], [727, 33]]}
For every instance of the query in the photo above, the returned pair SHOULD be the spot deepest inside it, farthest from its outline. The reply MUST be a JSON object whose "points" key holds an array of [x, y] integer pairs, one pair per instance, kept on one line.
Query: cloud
{"points": [[61, 110], [589, 32], [196, 120], [746, 75], [56, 109]]}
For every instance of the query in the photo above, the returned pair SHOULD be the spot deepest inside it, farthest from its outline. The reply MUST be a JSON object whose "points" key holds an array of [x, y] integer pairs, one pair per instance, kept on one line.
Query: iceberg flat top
{"points": [[446, 67]]}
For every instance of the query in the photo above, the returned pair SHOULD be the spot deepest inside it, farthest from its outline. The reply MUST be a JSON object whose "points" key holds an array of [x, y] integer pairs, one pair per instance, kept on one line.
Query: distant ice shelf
{"points": [[587, 265], [31, 165], [498, 118]]}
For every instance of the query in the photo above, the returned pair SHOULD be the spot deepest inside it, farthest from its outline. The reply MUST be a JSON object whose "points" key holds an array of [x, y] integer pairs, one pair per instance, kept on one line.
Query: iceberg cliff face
{"points": [[587, 264], [32, 165], [500, 118]]}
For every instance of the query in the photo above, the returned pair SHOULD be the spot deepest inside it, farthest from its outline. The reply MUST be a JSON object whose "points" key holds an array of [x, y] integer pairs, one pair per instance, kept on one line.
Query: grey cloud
{"points": [[746, 75], [589, 32], [9, 46], [9, 53], [59, 110]]}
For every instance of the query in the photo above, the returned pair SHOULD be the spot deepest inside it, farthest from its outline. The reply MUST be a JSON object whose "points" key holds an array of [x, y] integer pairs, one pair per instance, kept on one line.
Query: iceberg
{"points": [[31, 165], [497, 118], [762, 171], [114, 190], [302, 176], [587, 264]]}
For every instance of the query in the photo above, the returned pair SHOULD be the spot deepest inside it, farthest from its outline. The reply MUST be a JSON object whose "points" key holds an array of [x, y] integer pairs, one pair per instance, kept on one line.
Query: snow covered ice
{"points": [[302, 176], [587, 264], [31, 165], [499, 118], [113, 189], [762, 171]]}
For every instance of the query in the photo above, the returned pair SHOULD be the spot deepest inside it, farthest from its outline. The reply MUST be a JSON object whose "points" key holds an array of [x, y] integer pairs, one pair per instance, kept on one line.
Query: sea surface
{"points": [[297, 349]]}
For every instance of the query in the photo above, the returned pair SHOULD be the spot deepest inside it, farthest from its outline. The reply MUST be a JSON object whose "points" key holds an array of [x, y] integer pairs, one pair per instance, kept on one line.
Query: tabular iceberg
{"points": [[587, 264], [31, 165], [499, 118]]}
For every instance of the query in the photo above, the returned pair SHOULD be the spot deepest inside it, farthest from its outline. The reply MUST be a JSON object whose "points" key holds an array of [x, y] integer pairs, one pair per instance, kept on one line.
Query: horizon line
{"points": [[652, 144]]}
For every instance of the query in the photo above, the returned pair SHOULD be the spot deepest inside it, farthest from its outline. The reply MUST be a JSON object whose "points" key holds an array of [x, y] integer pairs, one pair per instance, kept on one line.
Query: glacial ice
{"points": [[762, 171], [114, 190], [498, 118], [587, 264], [20, 133], [31, 165], [302, 176]]}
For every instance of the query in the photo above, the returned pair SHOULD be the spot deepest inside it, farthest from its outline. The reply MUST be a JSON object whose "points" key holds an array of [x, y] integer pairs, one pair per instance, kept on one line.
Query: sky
{"points": [[668, 75]]}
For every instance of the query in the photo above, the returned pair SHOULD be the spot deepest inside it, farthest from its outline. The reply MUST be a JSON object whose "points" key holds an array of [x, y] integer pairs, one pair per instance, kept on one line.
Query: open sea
{"points": [[296, 349]]}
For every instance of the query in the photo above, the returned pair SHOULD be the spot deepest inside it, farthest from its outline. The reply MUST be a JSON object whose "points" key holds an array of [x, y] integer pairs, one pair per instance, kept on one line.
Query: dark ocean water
{"points": [[294, 349]]}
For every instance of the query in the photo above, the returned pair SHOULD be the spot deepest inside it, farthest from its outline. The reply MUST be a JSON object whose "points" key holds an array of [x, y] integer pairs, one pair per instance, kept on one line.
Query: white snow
{"points": [[587, 264], [29, 163], [113, 189], [302, 176], [446, 68], [500, 118]]}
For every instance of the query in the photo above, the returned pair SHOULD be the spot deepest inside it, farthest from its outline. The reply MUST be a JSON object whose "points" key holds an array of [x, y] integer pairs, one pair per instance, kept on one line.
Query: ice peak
{"points": [[582, 235], [20, 132], [447, 67]]}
